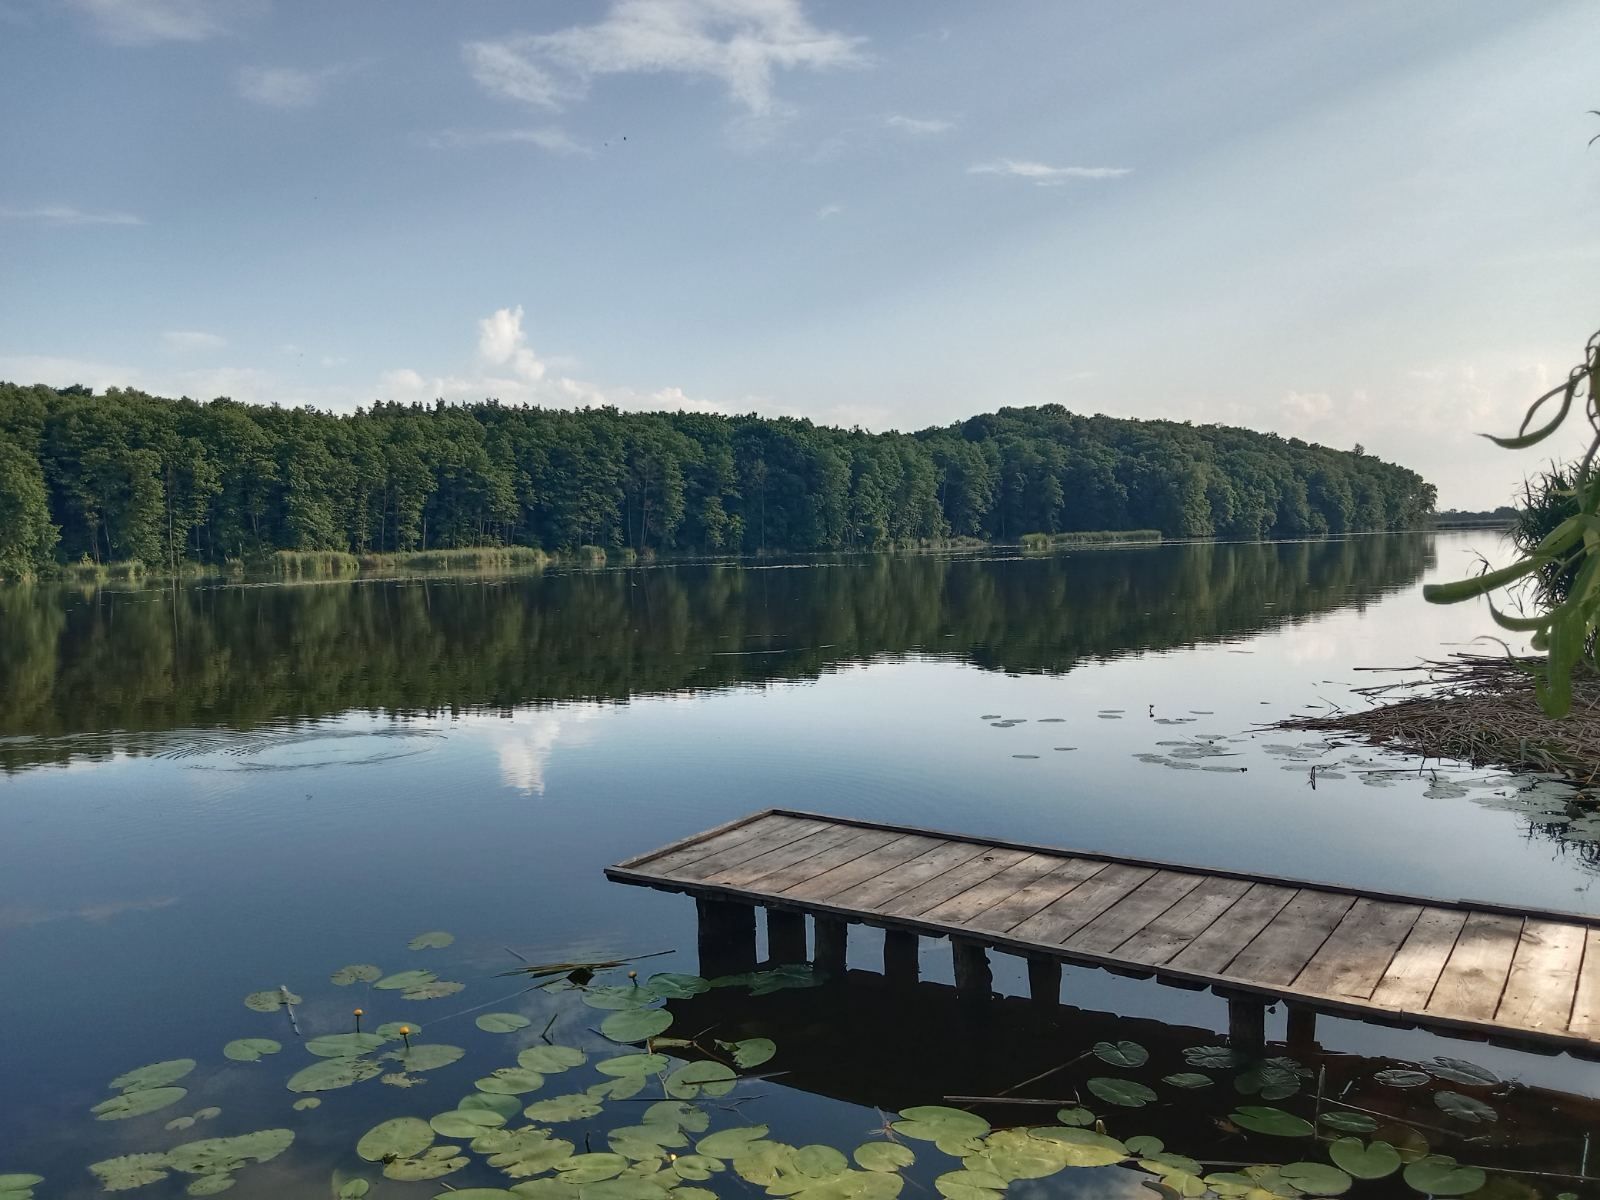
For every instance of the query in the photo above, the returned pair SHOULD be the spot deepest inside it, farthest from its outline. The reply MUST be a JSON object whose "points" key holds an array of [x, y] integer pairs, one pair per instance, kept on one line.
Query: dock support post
{"points": [[1302, 1027], [1044, 981], [832, 943], [974, 980], [727, 937], [900, 957], [786, 936], [1247, 1023]]}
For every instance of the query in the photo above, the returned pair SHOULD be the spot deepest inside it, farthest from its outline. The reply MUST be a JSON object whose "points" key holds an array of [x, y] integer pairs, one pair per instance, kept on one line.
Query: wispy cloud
{"points": [[284, 87], [829, 210], [66, 214], [145, 22], [1043, 174], [191, 340], [919, 126], [556, 141], [742, 43]]}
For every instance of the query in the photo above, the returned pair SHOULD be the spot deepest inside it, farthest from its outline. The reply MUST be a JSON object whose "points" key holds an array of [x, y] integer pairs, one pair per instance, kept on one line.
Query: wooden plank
{"points": [[1544, 977], [1183, 922], [1475, 974], [891, 854], [1359, 949], [796, 851], [1025, 901], [951, 884], [778, 831], [987, 893], [1134, 911], [1417, 965], [1056, 923], [1277, 954], [871, 894], [1232, 931], [1586, 1008], [865, 841], [669, 858]]}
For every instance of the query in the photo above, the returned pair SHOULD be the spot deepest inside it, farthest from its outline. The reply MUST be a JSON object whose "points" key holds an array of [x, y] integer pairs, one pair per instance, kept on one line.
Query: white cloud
{"points": [[919, 126], [829, 210], [66, 214], [557, 141], [1043, 174], [284, 87], [189, 340], [145, 22], [525, 742], [742, 43]]}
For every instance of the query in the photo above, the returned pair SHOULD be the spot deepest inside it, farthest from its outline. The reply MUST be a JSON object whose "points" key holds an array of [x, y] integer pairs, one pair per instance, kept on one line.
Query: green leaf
{"points": [[1273, 1121], [429, 1056], [672, 986], [1465, 1108], [433, 991], [552, 1060], [137, 1104], [622, 1189], [633, 1064], [356, 973], [1348, 1122], [344, 1045], [1440, 1175], [210, 1185], [506, 1106], [1376, 1161], [697, 1167], [306, 1104], [1401, 1079], [130, 1171], [1213, 1057], [1124, 1092], [576, 1107], [636, 1024], [591, 1168], [1316, 1179], [269, 1001], [250, 1049], [511, 1081], [502, 1022], [620, 998], [1523, 438], [433, 1163], [1085, 1147], [936, 1123], [390, 1030], [528, 1152], [1468, 589], [1122, 1054], [1075, 1116], [402, 1137], [730, 1143], [437, 940], [751, 1052], [679, 1113], [156, 1075], [1187, 1079], [465, 1123], [1459, 1070], [692, 1080], [333, 1073], [970, 1185], [884, 1156], [401, 980]]}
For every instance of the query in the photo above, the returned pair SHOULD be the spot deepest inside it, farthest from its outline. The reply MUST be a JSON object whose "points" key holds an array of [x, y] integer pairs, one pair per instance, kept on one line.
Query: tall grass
{"points": [[1088, 537], [469, 558]]}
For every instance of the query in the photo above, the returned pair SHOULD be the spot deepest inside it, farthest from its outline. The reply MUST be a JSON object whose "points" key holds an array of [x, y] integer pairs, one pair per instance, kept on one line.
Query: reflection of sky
{"points": [[187, 886]]}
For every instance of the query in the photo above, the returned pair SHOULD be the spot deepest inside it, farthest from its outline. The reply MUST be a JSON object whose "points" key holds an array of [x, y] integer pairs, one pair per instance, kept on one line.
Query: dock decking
{"points": [[1524, 976]]}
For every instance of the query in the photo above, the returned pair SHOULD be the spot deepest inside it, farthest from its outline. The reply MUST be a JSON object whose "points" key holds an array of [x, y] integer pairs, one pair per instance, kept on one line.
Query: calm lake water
{"points": [[213, 790]]}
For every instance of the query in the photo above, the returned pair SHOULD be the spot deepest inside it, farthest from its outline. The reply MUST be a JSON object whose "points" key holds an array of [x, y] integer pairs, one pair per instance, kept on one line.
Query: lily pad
{"points": [[1348, 1122], [175, 1125], [1085, 1147], [730, 1143], [433, 991], [1316, 1179], [436, 940], [620, 998], [210, 1185], [130, 1171], [402, 1137], [401, 980], [1441, 1175], [502, 1022], [434, 1163], [1459, 1070], [344, 1045], [511, 1081], [551, 1060], [751, 1052], [333, 1073], [633, 1064], [1122, 1054], [696, 1167], [390, 1030], [466, 1122], [695, 1079], [622, 1189], [970, 1185], [576, 1107], [155, 1075], [592, 1168], [506, 1106], [1375, 1161], [1213, 1057], [936, 1123], [1187, 1079], [250, 1049], [211, 1156], [679, 1113], [530, 1152], [1465, 1108], [636, 1024], [1273, 1121], [137, 1104], [306, 1104], [429, 1056], [1123, 1092], [1079, 1117], [356, 973], [1401, 1078], [883, 1156], [673, 986], [269, 1001]]}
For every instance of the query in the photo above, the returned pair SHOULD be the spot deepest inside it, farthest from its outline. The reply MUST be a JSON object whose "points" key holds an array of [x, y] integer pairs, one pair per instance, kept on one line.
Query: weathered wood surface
{"points": [[1460, 966]]}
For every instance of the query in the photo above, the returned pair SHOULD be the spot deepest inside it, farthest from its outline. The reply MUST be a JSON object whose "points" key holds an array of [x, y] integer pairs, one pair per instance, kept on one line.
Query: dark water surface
{"points": [[215, 790]]}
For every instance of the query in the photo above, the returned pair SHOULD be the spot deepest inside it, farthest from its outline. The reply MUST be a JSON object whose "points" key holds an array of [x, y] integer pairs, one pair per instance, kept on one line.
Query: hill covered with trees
{"points": [[128, 476]]}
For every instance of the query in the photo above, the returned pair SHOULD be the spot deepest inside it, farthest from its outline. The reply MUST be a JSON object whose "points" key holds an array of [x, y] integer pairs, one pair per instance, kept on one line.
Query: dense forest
{"points": [[127, 476]]}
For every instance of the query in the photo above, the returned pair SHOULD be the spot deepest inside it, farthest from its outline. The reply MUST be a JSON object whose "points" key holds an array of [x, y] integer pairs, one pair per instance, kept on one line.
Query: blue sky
{"points": [[1347, 222]]}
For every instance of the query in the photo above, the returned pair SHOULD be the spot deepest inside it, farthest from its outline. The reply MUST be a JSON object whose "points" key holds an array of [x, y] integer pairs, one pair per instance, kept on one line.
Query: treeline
{"points": [[127, 476]]}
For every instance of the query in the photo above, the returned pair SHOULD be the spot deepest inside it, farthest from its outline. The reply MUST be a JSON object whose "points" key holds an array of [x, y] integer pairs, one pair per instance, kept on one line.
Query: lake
{"points": [[210, 791]]}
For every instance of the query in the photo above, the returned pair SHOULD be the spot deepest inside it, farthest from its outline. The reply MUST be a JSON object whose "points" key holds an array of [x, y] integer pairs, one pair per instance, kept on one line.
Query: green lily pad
{"points": [[936, 1123], [540, 1189], [1143, 1145], [210, 1185], [401, 980], [511, 1081], [1401, 1079], [434, 1163], [1124, 1092], [1376, 1161], [268, 1001], [506, 1106], [211, 1156], [751, 1052], [1441, 1175], [250, 1049], [622, 1189], [1465, 1108], [155, 1075], [437, 990], [970, 1185], [1081, 1117], [530, 1152], [130, 1171], [633, 1064], [466, 1122], [429, 1056], [1273, 1121], [436, 940], [344, 1045], [1085, 1147], [591, 1168], [671, 985], [402, 1137], [1316, 1179], [576, 1107], [1213, 1057], [620, 997], [19, 1183], [883, 1156], [730, 1143], [333, 1073], [622, 1087], [137, 1104], [1459, 1070], [1122, 1054], [636, 1024], [679, 1113], [703, 1078], [551, 1060], [175, 1125], [697, 1167], [1348, 1122], [390, 1030], [356, 973], [502, 1022], [306, 1104], [1187, 1079], [479, 1193]]}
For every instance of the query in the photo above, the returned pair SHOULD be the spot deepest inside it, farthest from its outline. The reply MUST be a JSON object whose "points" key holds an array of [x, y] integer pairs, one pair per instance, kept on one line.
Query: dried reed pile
{"points": [[1479, 708]]}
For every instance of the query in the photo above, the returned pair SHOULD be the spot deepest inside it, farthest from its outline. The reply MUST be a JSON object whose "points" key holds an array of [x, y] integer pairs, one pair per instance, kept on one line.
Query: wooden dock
{"points": [[1520, 976]]}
